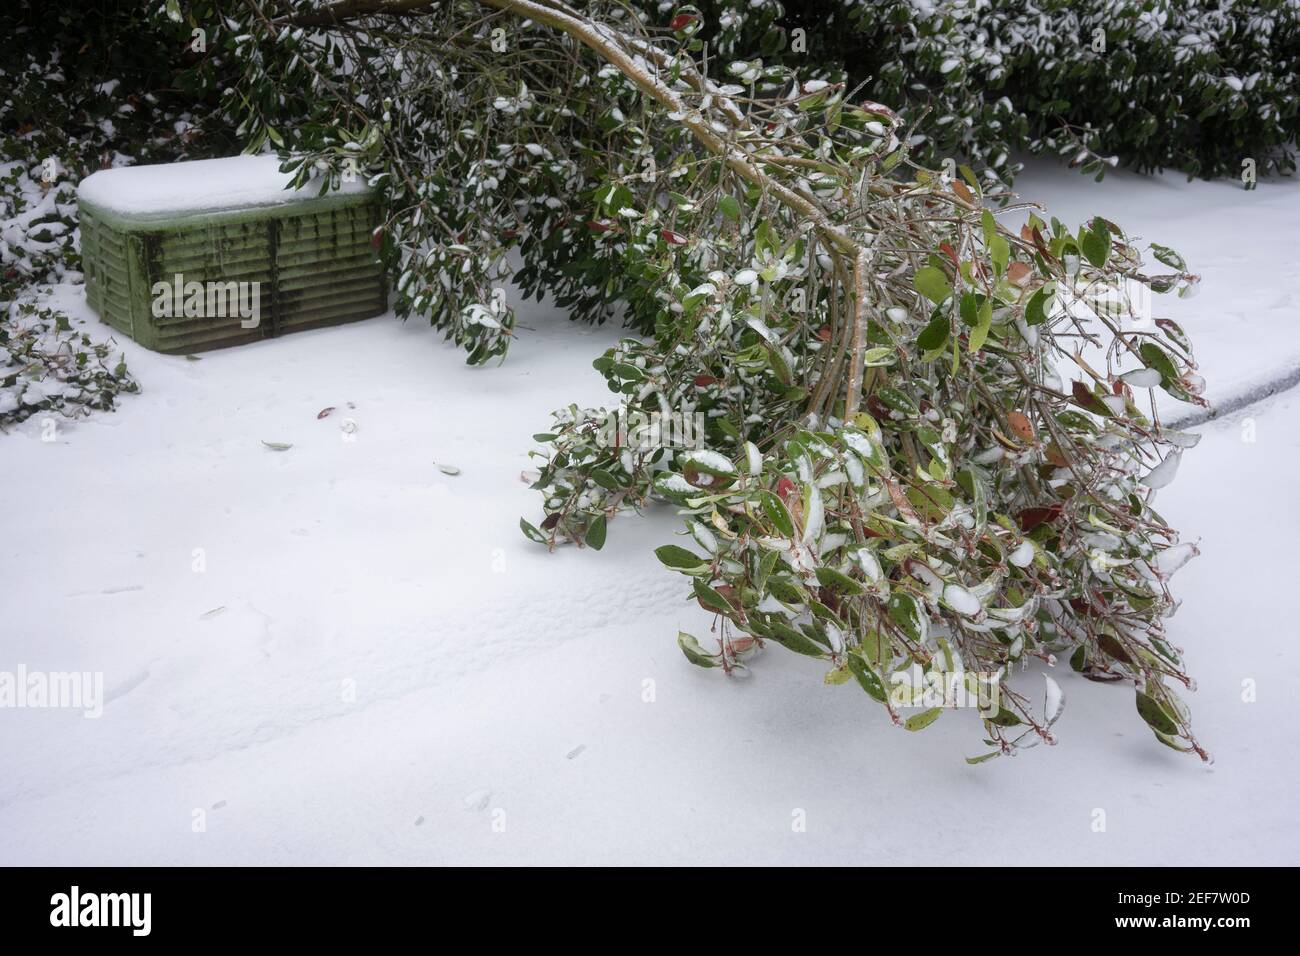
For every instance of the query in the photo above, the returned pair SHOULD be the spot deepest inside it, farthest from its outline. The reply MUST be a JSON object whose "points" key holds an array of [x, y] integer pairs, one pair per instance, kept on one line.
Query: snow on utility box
{"points": [[184, 257]]}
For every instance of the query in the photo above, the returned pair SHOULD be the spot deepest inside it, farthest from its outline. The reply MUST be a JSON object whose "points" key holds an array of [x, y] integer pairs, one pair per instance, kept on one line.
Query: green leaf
{"points": [[838, 582], [924, 719], [837, 676], [730, 207], [1155, 357], [984, 322], [1095, 244], [792, 640], [595, 537], [968, 308], [679, 559], [1039, 303], [711, 599], [990, 228], [897, 400], [1003, 718], [785, 590], [1155, 715], [1169, 257], [531, 532], [765, 569], [972, 482], [932, 283], [1000, 252], [694, 653], [867, 678], [878, 357], [776, 512], [877, 648], [934, 335], [907, 615], [776, 360]]}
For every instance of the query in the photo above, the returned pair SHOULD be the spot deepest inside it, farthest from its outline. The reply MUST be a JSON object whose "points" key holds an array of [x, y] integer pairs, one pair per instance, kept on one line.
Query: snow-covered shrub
{"points": [[905, 436], [86, 87], [48, 366], [1200, 87], [101, 85]]}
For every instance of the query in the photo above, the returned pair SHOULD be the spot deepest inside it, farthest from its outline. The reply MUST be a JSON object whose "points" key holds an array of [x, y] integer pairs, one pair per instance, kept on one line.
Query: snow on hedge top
{"points": [[166, 190]]}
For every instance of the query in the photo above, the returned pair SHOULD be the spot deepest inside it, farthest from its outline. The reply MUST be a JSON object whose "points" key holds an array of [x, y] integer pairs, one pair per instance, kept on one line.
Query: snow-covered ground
{"points": [[339, 654]]}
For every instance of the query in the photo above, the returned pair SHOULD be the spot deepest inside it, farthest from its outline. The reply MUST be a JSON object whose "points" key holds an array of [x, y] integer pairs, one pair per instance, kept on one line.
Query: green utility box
{"points": [[184, 257]]}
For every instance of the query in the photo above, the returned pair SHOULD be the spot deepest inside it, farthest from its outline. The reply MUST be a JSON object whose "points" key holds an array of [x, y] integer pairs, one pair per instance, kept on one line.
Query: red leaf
{"points": [[324, 411], [1084, 398], [1021, 425], [703, 380], [596, 226], [1041, 246], [672, 238], [949, 251], [727, 593], [1031, 518], [681, 21], [785, 488]]}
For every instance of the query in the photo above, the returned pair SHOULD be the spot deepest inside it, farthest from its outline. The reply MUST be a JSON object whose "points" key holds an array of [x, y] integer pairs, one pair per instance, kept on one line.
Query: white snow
{"points": [[1053, 699], [1163, 473], [961, 600], [816, 516], [1142, 378], [713, 461], [203, 185], [374, 666], [1022, 555]]}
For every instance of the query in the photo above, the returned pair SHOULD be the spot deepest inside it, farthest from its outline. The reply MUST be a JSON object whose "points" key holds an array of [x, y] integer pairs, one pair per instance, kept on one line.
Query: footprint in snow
{"points": [[478, 800], [575, 751]]}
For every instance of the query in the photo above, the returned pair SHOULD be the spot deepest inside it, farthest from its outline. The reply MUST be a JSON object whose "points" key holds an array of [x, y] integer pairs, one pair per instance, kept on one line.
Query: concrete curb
{"points": [[1242, 398]]}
